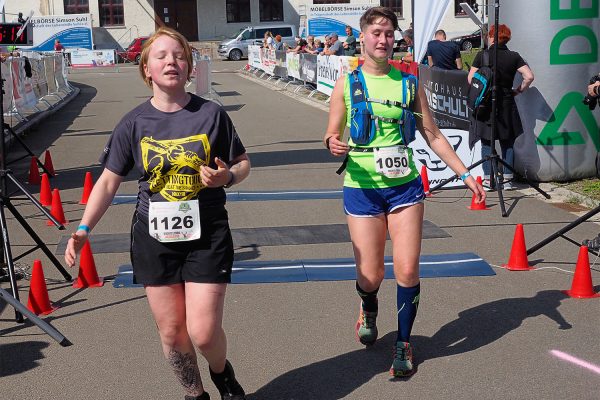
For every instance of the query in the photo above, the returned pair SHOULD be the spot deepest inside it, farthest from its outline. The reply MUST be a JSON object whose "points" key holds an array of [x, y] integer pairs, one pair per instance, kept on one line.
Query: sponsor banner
{"points": [[23, 94], [74, 31], [203, 79], [39, 76], [559, 41], [254, 56], [293, 65], [328, 18], [60, 73], [92, 58], [437, 170], [49, 73], [308, 68], [7, 100], [330, 68], [446, 93], [268, 60], [280, 67]]}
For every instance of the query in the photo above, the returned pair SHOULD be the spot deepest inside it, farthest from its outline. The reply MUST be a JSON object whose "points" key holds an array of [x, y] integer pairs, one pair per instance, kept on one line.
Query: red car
{"points": [[134, 50]]}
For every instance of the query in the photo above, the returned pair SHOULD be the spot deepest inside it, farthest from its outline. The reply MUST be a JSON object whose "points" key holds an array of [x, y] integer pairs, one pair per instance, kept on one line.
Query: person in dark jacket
{"points": [[508, 121]]}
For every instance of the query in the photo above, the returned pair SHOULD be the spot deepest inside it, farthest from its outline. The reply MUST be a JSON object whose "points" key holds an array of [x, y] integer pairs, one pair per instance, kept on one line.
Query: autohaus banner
{"points": [[446, 93]]}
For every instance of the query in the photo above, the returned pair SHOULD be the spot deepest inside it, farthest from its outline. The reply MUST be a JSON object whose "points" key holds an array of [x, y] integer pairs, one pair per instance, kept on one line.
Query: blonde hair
{"points": [[173, 34]]}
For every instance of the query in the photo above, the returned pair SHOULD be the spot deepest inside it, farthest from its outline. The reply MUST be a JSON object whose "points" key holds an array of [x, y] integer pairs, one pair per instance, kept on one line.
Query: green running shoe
{"points": [[366, 327], [402, 366]]}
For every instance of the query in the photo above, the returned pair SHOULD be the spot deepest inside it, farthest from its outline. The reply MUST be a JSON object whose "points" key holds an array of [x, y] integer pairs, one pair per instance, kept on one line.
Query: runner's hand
{"points": [[74, 245], [215, 177], [476, 188], [337, 147]]}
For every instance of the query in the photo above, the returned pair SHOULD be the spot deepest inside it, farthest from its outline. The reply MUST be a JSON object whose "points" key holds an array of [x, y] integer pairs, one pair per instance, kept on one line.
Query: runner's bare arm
{"points": [[102, 194], [439, 144], [337, 121]]}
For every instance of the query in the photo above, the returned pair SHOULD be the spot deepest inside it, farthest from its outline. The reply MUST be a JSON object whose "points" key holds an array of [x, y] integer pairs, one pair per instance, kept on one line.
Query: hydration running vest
{"points": [[364, 123]]}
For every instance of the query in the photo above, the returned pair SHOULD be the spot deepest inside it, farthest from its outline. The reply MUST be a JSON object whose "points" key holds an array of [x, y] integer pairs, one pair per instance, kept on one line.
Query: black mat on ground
{"points": [[269, 236]]}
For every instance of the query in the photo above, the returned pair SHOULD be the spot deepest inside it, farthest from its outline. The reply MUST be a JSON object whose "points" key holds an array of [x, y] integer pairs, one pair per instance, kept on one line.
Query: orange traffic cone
{"points": [[45, 191], [581, 287], [477, 206], [88, 185], [34, 172], [48, 163], [88, 276], [39, 302], [57, 209], [425, 180], [518, 254]]}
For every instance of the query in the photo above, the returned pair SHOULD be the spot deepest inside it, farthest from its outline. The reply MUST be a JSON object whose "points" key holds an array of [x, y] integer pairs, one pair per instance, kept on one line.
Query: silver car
{"points": [[236, 47]]}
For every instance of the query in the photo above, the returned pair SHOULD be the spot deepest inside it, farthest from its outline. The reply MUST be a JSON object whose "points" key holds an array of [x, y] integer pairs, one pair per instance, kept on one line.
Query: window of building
{"points": [[458, 11], [395, 5], [77, 6], [270, 10], [330, 1], [237, 10], [111, 12]]}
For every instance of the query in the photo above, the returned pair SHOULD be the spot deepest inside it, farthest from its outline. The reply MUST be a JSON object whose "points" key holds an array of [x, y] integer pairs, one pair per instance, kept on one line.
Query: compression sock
{"points": [[369, 299], [407, 300]]}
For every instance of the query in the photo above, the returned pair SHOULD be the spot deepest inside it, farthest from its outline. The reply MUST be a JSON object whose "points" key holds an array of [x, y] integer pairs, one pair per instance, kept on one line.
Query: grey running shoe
{"points": [[402, 366], [366, 327]]}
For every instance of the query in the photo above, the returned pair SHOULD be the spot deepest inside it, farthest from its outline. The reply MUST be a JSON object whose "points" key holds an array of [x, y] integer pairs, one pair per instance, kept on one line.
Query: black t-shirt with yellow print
{"points": [[168, 149]]}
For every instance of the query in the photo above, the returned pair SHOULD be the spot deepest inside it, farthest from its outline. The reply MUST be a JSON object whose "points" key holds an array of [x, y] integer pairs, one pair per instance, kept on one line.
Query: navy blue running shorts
{"points": [[372, 202], [205, 260]]}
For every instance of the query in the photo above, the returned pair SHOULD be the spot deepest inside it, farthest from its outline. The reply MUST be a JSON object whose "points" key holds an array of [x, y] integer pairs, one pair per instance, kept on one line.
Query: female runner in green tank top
{"points": [[379, 199]]}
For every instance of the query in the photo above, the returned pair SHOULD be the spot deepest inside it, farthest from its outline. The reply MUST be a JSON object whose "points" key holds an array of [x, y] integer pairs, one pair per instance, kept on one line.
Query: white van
{"points": [[236, 47]]}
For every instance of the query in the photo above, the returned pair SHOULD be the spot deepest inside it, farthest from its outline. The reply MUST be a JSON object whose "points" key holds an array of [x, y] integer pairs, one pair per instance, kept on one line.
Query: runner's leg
{"points": [[405, 226], [368, 240], [204, 304], [168, 308]]}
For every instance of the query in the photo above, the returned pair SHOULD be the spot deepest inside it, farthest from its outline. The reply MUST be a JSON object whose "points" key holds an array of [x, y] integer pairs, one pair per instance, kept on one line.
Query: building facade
{"points": [[117, 22]]}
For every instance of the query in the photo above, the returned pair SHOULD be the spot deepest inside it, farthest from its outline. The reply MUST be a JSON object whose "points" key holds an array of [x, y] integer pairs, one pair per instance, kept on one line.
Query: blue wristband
{"points": [[84, 228], [464, 176]]}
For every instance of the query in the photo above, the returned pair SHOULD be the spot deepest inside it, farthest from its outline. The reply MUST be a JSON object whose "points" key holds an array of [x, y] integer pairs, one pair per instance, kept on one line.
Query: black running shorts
{"points": [[205, 260]]}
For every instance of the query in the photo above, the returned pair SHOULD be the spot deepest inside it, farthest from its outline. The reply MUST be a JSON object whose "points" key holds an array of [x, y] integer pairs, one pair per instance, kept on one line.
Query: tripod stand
{"points": [[496, 176], [5, 201]]}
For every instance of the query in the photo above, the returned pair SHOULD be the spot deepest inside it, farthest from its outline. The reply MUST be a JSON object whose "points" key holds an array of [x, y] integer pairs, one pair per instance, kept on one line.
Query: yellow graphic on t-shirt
{"points": [[174, 165]]}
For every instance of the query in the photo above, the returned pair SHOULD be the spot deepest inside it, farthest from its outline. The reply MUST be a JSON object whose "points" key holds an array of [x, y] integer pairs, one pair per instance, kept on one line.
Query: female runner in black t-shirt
{"points": [[185, 150]]}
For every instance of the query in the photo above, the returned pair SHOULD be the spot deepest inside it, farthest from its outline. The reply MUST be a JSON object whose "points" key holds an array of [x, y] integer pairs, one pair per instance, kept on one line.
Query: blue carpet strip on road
{"points": [[257, 196], [255, 237], [339, 269]]}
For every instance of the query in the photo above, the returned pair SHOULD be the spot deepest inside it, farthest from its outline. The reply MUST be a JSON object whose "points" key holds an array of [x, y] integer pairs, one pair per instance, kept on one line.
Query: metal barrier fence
{"points": [[31, 81]]}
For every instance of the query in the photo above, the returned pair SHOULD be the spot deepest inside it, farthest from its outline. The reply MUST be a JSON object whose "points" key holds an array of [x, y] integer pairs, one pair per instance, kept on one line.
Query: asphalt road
{"points": [[507, 336]]}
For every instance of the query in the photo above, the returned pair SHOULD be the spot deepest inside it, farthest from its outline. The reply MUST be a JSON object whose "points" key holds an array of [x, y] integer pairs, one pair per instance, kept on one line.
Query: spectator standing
{"points": [[268, 40], [350, 42], [319, 47], [20, 19], [508, 121], [408, 37], [310, 45], [335, 47], [443, 54], [58, 47], [300, 46], [277, 43]]}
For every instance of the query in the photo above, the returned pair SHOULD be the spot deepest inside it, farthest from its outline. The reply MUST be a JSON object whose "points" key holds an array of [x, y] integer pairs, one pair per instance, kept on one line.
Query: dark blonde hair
{"points": [[173, 34], [374, 14]]}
